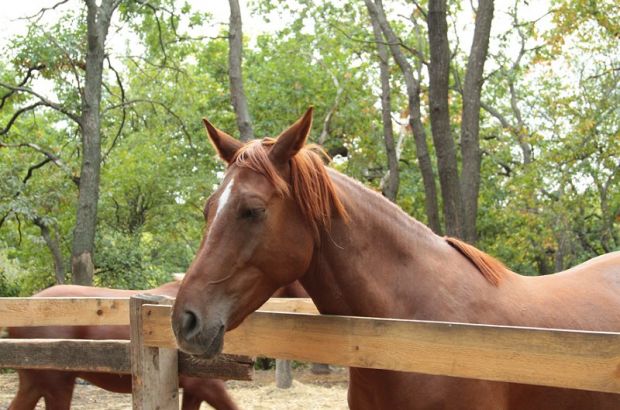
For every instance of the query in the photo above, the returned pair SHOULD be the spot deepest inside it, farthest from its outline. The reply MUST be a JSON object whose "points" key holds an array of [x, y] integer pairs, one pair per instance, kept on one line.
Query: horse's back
{"points": [[585, 297], [605, 267], [82, 291], [74, 332]]}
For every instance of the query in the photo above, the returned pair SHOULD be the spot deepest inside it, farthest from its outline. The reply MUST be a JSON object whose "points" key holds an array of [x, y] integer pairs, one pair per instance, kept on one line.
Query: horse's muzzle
{"points": [[194, 337]]}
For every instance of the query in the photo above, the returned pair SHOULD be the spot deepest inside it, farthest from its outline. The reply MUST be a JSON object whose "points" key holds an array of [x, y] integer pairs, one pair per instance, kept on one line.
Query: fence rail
{"points": [[71, 311], [546, 357], [292, 329], [108, 356]]}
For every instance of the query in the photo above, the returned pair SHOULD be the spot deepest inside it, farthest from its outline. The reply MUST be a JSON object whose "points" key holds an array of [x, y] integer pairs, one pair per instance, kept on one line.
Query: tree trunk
{"points": [[54, 246], [439, 70], [239, 101], [390, 187], [609, 213], [470, 123], [98, 22], [415, 117], [330, 114]]}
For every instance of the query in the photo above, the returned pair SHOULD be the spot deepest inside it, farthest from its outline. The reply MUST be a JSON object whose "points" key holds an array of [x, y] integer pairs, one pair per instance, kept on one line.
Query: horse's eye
{"points": [[252, 213]]}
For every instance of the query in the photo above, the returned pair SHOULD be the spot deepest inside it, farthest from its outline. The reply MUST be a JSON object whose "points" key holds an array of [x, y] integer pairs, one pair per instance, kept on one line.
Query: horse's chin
{"points": [[205, 344]]}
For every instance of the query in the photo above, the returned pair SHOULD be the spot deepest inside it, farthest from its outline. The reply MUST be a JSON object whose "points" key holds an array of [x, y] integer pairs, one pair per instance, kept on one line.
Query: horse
{"points": [[56, 387], [281, 215]]}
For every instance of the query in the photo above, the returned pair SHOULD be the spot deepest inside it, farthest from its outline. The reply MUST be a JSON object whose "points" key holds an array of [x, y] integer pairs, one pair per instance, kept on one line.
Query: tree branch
{"points": [[124, 108], [22, 82], [50, 156], [160, 38], [41, 12], [398, 42], [158, 103], [44, 101], [16, 115], [72, 64]]}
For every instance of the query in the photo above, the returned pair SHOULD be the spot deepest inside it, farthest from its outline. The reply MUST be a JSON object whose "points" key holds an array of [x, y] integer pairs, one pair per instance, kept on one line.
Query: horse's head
{"points": [[262, 225]]}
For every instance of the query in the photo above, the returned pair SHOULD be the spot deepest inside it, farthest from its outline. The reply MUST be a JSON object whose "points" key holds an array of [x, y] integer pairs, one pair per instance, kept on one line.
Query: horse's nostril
{"points": [[190, 325]]}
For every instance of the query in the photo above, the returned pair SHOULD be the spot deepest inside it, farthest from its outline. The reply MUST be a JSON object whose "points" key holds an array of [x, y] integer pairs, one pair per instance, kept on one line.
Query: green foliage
{"points": [[158, 168], [8, 287]]}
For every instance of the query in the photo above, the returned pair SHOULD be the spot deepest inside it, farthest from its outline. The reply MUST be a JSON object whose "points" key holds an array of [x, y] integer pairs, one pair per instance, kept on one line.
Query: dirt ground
{"points": [[309, 391]]}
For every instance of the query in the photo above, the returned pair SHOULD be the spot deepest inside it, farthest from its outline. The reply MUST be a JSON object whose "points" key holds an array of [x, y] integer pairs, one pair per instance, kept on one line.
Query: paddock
{"points": [[320, 392], [292, 329]]}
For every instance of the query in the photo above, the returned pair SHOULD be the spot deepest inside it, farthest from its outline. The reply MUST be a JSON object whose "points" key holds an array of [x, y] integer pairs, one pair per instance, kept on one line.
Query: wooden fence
{"points": [[292, 329]]}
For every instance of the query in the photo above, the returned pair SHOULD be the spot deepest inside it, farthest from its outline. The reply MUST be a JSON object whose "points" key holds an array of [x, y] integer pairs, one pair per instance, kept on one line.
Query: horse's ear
{"points": [[292, 140], [225, 145]]}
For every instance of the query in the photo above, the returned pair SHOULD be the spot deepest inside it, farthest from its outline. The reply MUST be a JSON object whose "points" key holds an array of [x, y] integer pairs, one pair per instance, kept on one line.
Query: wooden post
{"points": [[284, 375], [154, 371]]}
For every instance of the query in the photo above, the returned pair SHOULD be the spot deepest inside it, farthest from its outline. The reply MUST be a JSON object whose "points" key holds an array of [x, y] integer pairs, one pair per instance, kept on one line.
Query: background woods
{"points": [[497, 122]]}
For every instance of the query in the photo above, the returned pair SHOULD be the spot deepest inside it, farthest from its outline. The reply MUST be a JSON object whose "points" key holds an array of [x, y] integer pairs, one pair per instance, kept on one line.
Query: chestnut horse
{"points": [[56, 387], [280, 215]]}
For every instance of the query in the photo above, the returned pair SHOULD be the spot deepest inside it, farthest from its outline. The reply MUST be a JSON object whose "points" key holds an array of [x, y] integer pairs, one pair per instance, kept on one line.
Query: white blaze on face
{"points": [[223, 200]]}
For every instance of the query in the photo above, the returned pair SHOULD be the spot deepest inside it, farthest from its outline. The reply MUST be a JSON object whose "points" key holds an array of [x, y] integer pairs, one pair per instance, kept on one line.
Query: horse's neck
{"points": [[382, 262]]}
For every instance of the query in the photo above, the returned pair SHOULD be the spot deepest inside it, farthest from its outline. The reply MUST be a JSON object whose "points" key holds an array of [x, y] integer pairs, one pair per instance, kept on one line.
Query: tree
{"points": [[377, 13], [82, 253], [74, 60], [390, 187], [456, 190], [470, 119], [237, 94], [546, 148], [88, 121], [439, 72]]}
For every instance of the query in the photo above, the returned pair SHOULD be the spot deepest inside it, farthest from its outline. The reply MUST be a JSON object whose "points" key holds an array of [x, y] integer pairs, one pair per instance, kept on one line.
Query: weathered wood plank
{"points": [[63, 311], [108, 356], [293, 305], [560, 358], [224, 366], [70, 311], [154, 371]]}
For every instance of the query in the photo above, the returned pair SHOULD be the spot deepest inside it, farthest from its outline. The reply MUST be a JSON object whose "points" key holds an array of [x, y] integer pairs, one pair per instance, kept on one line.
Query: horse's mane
{"points": [[311, 187], [492, 269]]}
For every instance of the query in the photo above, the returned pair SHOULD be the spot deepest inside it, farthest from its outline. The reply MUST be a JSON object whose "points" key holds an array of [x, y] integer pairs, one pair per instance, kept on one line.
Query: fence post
{"points": [[284, 375], [154, 371]]}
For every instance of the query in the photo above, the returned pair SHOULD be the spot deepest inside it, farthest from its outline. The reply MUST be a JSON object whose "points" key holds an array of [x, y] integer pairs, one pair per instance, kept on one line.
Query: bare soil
{"points": [[309, 391]]}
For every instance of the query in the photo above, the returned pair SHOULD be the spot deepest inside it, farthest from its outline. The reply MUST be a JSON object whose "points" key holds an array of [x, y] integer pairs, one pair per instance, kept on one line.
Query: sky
{"points": [[12, 11]]}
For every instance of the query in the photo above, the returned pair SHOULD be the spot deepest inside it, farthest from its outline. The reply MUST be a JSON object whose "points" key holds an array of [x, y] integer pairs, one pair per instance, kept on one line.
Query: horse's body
{"points": [[56, 387], [280, 216]]}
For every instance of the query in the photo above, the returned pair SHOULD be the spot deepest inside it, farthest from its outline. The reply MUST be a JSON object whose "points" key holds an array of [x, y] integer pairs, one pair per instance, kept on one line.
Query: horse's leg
{"points": [[59, 391], [213, 391], [190, 402], [28, 392]]}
